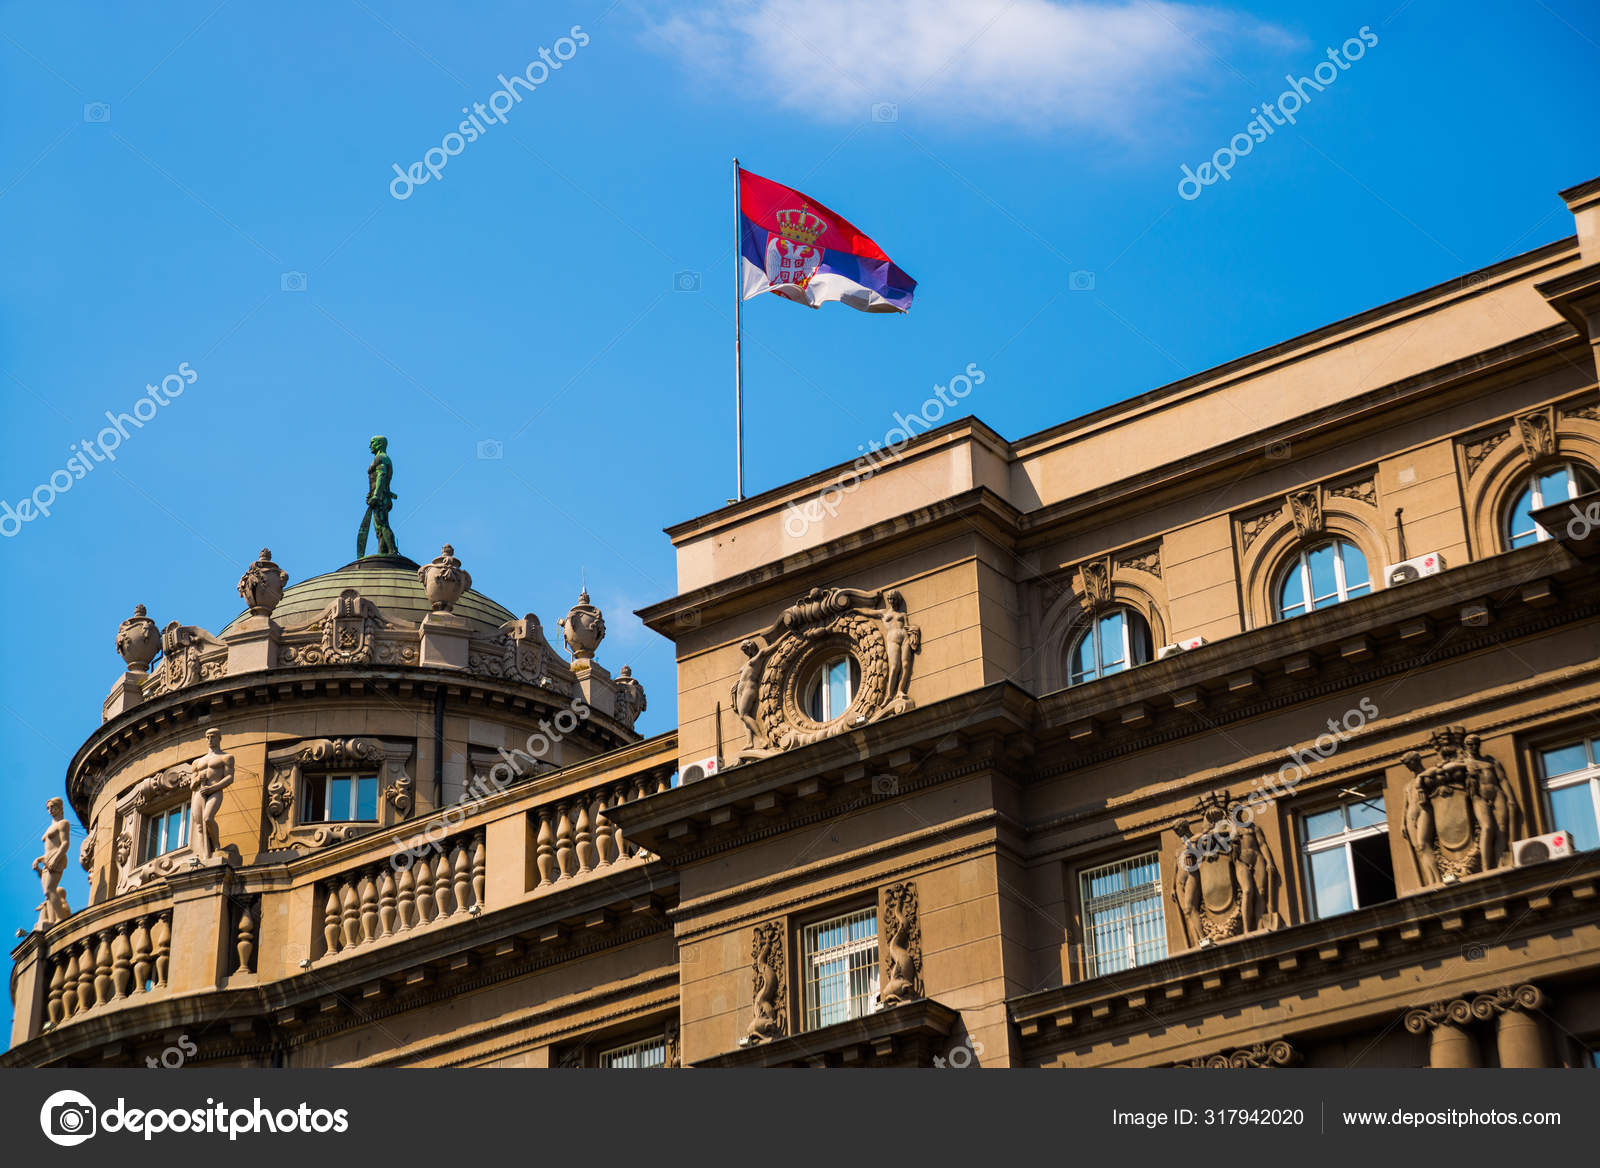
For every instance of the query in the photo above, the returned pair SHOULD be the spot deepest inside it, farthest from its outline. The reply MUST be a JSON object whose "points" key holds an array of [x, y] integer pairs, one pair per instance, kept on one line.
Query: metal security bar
{"points": [[652, 1052], [840, 968], [1123, 923]]}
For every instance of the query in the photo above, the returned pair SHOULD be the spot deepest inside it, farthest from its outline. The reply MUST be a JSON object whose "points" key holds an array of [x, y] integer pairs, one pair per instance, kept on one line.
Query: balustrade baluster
{"points": [[386, 902], [55, 1008], [367, 893], [69, 987], [480, 867], [544, 850], [443, 897], [103, 985], [161, 938], [605, 844], [406, 894], [566, 856], [349, 913], [427, 910], [330, 918], [587, 855], [121, 962], [461, 864], [141, 955], [246, 938]]}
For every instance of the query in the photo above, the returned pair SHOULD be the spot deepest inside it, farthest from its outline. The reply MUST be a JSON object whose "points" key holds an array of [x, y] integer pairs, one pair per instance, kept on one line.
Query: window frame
{"points": [[816, 1014], [817, 687], [324, 781], [1131, 896], [1344, 839], [653, 1042], [1092, 633], [1588, 774], [1576, 472], [1300, 560], [163, 816]]}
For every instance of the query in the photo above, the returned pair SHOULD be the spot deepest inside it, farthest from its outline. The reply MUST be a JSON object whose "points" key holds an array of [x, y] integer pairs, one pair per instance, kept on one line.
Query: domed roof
{"points": [[391, 583]]}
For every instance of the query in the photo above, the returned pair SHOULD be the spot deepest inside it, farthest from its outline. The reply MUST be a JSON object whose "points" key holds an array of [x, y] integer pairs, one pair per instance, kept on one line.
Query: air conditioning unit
{"points": [[1415, 569], [1179, 647], [696, 771], [1541, 847]]}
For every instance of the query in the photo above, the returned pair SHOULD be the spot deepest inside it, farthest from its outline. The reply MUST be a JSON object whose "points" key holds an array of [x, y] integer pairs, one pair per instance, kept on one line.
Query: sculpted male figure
{"points": [[379, 499], [212, 772], [1418, 821], [747, 695], [1491, 802], [51, 865]]}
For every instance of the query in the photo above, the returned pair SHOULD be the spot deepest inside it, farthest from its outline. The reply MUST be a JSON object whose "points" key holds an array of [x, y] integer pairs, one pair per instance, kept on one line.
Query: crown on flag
{"points": [[800, 226]]}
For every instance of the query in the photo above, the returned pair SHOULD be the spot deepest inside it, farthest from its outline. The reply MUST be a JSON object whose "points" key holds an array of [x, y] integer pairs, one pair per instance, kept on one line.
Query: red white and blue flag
{"points": [[794, 246]]}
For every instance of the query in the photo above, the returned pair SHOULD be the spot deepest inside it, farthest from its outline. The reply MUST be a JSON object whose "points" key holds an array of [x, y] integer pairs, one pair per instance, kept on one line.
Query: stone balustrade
{"points": [[105, 958]]}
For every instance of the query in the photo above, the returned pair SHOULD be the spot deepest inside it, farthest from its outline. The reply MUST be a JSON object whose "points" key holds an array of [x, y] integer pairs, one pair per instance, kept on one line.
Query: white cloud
{"points": [[1034, 64]]}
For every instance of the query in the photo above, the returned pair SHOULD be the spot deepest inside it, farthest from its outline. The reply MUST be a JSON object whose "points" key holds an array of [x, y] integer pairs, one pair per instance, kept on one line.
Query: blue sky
{"points": [[209, 183]]}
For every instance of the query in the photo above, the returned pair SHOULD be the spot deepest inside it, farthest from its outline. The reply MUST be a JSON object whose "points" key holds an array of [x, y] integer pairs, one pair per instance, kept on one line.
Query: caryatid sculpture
{"points": [[1460, 812], [380, 474], [212, 772], [51, 865], [1224, 881]]}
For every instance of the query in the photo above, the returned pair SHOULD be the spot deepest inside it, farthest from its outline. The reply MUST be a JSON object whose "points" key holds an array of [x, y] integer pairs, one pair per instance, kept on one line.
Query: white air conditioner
{"points": [[1414, 569], [696, 771], [1179, 647], [1541, 847]]}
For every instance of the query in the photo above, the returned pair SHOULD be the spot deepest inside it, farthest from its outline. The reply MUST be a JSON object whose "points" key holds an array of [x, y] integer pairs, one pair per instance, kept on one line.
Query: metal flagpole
{"points": [[738, 329]]}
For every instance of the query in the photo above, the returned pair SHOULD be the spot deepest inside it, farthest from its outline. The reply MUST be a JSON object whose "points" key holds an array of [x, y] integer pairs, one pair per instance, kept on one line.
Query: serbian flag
{"points": [[792, 245]]}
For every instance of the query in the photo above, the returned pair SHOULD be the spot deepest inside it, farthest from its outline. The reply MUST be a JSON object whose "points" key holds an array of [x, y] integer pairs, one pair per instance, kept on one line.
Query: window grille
{"points": [[652, 1052], [840, 968], [1123, 922]]}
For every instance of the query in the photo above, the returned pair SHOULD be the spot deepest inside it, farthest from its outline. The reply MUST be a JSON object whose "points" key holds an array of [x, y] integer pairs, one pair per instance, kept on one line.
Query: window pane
{"points": [[1324, 823], [338, 798], [838, 687], [1356, 581], [1368, 813], [1139, 639], [1564, 760], [367, 797], [1292, 597], [1113, 657], [1374, 869], [1330, 883], [1523, 529], [1323, 583], [1555, 486], [1573, 810], [1083, 658], [152, 837]]}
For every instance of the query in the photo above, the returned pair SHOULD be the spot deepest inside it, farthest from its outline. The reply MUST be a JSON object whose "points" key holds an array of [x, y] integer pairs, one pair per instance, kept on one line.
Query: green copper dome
{"points": [[391, 583]]}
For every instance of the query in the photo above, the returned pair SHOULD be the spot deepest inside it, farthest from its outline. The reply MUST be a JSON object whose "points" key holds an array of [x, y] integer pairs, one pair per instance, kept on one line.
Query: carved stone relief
{"points": [[1259, 1056], [290, 768], [1538, 434], [630, 699], [770, 992], [900, 945], [1224, 880], [1450, 1023], [1361, 490], [189, 655], [1460, 812], [156, 793], [1094, 583], [520, 652], [1148, 560], [872, 628], [1250, 528], [1305, 508], [350, 632], [1476, 451]]}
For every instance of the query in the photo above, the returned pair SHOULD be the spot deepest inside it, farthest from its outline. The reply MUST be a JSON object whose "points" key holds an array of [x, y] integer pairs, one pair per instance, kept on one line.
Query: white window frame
{"points": [[820, 689], [1341, 590], [1092, 905], [1129, 615], [1537, 500], [859, 954], [325, 780], [1589, 775], [646, 1054], [163, 817], [1327, 843]]}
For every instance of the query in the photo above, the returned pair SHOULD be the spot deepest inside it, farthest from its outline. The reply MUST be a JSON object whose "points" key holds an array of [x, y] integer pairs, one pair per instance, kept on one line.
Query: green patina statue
{"points": [[379, 499]]}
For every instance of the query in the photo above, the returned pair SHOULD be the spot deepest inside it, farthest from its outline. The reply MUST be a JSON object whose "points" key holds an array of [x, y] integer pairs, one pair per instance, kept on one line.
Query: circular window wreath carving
{"points": [[872, 629]]}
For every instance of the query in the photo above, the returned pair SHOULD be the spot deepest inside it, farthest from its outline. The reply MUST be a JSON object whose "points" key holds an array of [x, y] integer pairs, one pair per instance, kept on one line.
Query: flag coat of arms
{"points": [[793, 246]]}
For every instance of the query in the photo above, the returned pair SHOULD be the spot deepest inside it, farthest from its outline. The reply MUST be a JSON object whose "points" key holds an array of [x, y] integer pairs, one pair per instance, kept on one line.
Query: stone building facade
{"points": [[1251, 722]]}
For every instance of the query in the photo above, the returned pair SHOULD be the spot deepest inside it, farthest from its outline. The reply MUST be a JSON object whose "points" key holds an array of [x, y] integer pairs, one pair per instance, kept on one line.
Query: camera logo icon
{"points": [[491, 448], [68, 1118], [1279, 450], [97, 111], [292, 282], [885, 111], [1080, 281], [686, 281], [885, 784]]}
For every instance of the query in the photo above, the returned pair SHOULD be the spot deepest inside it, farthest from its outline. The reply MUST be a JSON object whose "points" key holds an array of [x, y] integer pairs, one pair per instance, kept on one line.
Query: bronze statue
{"points": [[379, 499], [51, 865]]}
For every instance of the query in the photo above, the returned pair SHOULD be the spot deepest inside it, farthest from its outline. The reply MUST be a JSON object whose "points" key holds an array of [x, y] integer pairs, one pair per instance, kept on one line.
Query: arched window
{"points": [[1543, 489], [831, 688], [1113, 641], [1322, 576]]}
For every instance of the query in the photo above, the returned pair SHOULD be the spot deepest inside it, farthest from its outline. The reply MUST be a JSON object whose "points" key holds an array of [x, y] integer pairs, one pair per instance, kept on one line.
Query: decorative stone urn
{"points": [[583, 628], [138, 640], [444, 580], [262, 585]]}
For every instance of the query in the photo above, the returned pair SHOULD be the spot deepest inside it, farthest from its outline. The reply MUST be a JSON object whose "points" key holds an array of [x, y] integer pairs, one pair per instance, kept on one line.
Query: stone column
{"points": [[29, 981], [1519, 1032], [1451, 1042]]}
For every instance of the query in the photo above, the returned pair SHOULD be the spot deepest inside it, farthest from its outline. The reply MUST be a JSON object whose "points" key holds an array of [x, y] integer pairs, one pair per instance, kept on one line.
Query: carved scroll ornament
{"points": [[290, 768], [350, 632]]}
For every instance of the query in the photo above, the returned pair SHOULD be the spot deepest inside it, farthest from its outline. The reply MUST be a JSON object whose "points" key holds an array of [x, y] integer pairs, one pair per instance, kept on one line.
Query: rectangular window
{"points": [[1346, 853], [341, 799], [165, 831], [652, 1052], [1572, 783], [1123, 921], [840, 968]]}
